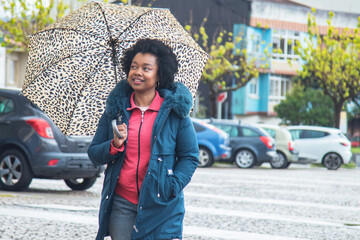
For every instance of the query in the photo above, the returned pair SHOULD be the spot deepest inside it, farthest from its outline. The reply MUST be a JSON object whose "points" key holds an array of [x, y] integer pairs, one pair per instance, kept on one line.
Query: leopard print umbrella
{"points": [[70, 69]]}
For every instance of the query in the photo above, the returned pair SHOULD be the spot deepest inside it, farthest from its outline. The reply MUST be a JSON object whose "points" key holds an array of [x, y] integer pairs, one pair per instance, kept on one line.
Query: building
{"points": [[276, 24], [271, 24]]}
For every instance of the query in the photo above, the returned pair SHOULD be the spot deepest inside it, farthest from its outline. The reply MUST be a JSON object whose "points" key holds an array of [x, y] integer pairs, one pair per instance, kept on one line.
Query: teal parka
{"points": [[173, 160]]}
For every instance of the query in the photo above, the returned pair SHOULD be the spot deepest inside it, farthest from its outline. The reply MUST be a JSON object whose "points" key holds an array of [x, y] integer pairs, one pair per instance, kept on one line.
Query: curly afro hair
{"points": [[166, 59]]}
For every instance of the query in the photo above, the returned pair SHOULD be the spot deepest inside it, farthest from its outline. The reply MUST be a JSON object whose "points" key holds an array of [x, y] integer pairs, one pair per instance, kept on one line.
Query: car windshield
{"points": [[264, 132], [271, 132]]}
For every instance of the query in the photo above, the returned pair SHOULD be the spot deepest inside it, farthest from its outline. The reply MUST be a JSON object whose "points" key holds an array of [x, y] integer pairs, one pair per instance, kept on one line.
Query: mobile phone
{"points": [[114, 123]]}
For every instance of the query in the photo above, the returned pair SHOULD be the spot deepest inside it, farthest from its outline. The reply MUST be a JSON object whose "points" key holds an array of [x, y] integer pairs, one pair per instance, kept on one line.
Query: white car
{"points": [[324, 145]]}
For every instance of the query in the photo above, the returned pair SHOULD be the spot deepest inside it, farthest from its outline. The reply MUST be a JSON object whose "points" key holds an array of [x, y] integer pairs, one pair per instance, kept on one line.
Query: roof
{"points": [[10, 90], [271, 126], [347, 6], [281, 1], [315, 128]]}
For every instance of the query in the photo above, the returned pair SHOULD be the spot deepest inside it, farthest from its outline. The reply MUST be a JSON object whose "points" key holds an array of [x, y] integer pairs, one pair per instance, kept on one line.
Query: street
{"points": [[222, 202]]}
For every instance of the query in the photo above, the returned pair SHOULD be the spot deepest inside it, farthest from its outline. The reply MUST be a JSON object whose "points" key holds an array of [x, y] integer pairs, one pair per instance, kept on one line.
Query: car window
{"points": [[271, 132], [229, 129], [6, 105], [295, 134], [248, 132], [198, 127], [312, 134], [290, 136]]}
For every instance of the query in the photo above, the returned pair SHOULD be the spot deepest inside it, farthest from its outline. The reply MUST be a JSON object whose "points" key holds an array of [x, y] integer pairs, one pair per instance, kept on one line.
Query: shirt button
{"points": [[140, 208], [107, 197]]}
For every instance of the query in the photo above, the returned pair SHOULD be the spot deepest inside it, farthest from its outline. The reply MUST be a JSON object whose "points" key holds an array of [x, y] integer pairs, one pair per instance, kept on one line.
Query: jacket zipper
{"points": [[166, 116], [139, 202], [159, 171], [138, 163]]}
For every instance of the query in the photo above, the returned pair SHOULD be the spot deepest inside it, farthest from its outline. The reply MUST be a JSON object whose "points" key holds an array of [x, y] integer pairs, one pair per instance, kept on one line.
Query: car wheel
{"points": [[244, 158], [332, 161], [279, 161], [287, 165], [205, 157], [15, 174], [80, 183]]}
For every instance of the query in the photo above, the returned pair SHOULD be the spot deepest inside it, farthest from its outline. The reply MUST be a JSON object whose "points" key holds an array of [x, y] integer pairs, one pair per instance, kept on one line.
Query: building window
{"points": [[279, 86], [254, 87], [284, 42], [254, 44]]}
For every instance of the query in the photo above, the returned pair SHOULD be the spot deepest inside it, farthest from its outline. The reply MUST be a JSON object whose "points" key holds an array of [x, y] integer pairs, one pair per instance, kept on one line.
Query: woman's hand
{"points": [[123, 131]]}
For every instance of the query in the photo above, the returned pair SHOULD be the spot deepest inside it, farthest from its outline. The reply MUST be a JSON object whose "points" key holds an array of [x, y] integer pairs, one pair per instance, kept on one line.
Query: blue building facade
{"points": [[274, 28], [253, 98]]}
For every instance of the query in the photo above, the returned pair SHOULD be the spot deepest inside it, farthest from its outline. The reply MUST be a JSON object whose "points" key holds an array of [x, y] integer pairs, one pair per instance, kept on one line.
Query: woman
{"points": [[149, 167]]}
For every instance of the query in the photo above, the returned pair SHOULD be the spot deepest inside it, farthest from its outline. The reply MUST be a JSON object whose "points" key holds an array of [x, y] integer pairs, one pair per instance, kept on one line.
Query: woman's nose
{"points": [[137, 71]]}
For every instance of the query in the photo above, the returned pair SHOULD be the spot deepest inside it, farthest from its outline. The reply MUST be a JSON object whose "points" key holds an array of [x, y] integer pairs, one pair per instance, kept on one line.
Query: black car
{"points": [[250, 145], [32, 146]]}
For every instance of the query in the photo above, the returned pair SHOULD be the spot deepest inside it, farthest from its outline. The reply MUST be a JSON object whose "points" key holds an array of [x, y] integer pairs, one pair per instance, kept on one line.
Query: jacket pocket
{"points": [[165, 178]]}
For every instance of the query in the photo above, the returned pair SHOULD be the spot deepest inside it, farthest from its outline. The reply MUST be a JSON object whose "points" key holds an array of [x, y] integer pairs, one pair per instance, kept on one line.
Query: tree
{"points": [[306, 106], [26, 18], [224, 62], [332, 63]]}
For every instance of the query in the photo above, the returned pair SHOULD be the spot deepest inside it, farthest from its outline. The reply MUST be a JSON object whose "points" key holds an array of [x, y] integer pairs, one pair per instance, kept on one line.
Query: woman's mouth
{"points": [[137, 81]]}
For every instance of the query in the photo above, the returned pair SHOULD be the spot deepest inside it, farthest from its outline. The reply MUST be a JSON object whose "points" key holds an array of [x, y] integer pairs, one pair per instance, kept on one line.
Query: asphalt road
{"points": [[222, 202]]}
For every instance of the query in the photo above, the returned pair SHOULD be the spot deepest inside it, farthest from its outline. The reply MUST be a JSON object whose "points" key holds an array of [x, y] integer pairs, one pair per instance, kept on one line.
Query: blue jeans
{"points": [[122, 218]]}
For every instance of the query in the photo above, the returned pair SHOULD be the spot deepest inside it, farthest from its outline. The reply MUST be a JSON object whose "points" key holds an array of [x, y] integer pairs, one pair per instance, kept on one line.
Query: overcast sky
{"points": [[352, 6]]}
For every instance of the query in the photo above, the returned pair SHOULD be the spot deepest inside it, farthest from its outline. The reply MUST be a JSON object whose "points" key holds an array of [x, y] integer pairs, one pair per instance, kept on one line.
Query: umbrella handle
{"points": [[115, 129]]}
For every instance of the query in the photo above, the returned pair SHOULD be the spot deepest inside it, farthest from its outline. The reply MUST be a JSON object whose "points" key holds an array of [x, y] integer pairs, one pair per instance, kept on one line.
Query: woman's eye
{"points": [[132, 67]]}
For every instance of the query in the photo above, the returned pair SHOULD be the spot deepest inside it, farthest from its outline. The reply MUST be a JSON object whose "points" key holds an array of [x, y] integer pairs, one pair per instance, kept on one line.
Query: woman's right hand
{"points": [[118, 142]]}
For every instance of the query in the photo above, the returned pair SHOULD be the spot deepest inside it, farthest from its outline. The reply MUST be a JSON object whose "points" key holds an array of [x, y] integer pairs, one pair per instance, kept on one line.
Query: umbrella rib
{"points": [[112, 44]]}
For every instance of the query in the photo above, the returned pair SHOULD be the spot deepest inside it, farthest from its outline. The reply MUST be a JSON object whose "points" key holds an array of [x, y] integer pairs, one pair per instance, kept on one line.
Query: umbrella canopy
{"points": [[73, 64]]}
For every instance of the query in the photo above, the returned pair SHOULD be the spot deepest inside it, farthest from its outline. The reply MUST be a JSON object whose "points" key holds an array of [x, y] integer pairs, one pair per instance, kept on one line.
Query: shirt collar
{"points": [[155, 104]]}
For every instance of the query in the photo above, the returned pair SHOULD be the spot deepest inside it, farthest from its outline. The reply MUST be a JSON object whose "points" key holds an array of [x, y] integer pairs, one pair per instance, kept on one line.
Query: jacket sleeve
{"points": [[99, 150], [187, 151]]}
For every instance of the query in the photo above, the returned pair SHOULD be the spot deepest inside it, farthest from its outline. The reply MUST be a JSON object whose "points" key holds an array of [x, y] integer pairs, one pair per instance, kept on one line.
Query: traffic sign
{"points": [[222, 97]]}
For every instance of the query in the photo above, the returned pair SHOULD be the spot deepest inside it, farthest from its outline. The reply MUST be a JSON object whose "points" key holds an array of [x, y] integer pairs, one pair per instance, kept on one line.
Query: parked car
{"points": [[213, 143], [324, 145], [286, 150], [355, 141], [32, 146], [250, 145]]}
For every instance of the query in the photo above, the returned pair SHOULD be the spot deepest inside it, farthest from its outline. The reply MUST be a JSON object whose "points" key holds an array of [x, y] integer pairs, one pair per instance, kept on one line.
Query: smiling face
{"points": [[143, 73]]}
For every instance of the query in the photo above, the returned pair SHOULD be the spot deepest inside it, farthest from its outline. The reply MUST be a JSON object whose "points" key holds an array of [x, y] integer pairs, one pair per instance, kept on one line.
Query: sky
{"points": [[352, 6]]}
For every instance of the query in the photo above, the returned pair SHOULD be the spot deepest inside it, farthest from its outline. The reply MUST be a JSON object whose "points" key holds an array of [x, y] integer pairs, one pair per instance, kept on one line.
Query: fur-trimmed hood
{"points": [[177, 97]]}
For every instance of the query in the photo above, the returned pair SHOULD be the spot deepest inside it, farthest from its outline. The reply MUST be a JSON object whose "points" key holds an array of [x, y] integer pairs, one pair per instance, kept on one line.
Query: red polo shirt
{"points": [[138, 149]]}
